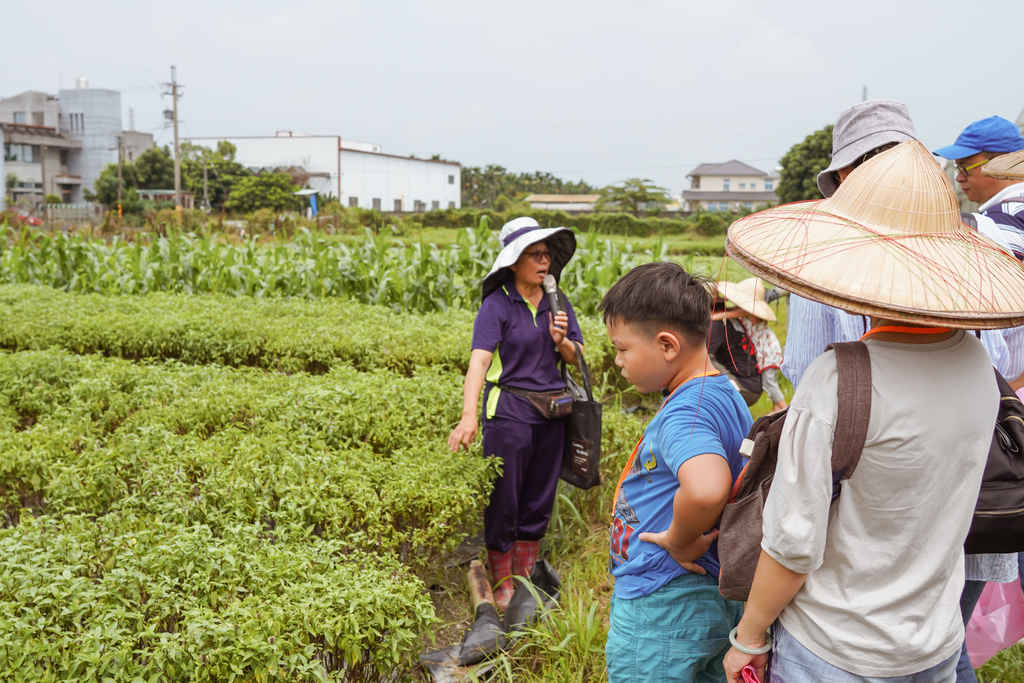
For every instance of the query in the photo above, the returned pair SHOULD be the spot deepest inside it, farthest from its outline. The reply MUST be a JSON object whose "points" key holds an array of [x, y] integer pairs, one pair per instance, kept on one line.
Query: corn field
{"points": [[376, 269]]}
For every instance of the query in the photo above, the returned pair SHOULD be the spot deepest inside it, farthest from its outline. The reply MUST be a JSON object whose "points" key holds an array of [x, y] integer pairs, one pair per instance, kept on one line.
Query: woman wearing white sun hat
{"points": [[869, 587], [517, 347]]}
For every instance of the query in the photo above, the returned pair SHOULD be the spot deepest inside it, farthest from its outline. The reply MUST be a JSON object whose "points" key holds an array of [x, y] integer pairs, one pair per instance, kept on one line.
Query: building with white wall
{"points": [[357, 173], [729, 187], [92, 115], [59, 144]]}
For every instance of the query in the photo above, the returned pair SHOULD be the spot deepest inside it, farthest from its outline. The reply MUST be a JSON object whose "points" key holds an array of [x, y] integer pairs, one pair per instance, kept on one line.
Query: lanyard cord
{"points": [[906, 330], [632, 457]]}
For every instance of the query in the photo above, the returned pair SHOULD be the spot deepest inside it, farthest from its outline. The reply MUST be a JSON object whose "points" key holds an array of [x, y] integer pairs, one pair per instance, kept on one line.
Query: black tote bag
{"points": [[581, 457]]}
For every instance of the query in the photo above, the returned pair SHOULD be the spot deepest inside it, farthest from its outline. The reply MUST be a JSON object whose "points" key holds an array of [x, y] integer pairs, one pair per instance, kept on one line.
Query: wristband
{"points": [[750, 650]]}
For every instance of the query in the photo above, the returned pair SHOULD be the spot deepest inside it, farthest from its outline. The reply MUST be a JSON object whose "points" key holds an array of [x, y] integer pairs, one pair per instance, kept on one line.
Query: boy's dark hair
{"points": [[658, 296]]}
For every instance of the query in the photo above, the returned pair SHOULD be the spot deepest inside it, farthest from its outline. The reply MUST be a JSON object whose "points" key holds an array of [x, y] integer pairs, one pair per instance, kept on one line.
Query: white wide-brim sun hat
{"points": [[516, 236], [889, 243], [1006, 166], [749, 296]]}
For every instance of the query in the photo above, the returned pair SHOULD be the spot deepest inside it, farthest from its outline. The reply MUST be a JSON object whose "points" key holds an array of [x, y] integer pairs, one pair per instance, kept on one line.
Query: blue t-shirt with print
{"points": [[704, 415]]}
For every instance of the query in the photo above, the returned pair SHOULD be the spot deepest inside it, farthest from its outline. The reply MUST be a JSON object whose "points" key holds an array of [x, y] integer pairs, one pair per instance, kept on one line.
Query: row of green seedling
{"points": [[356, 457], [127, 597], [287, 335]]}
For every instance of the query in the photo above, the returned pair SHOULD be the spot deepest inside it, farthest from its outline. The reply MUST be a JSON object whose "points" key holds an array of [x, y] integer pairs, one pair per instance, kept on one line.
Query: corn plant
{"points": [[378, 269]]}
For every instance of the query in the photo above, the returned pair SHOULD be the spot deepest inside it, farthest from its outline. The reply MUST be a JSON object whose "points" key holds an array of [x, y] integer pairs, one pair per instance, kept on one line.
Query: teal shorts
{"points": [[678, 633]]}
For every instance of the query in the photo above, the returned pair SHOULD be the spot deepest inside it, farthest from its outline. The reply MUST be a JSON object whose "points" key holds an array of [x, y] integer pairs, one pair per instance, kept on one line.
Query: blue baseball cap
{"points": [[994, 134]]}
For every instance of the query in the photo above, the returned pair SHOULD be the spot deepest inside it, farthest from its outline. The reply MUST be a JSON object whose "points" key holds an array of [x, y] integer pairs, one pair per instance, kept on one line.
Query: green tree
{"points": [[222, 171], [105, 188], [798, 180], [270, 191], [154, 169], [481, 187], [633, 195]]}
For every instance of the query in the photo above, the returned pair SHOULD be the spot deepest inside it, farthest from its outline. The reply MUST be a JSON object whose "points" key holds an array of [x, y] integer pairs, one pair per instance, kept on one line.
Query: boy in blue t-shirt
{"points": [[668, 620]]}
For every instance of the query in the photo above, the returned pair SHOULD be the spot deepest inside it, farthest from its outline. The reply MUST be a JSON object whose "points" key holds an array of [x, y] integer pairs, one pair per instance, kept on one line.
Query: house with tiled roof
{"points": [[570, 203], [730, 186]]}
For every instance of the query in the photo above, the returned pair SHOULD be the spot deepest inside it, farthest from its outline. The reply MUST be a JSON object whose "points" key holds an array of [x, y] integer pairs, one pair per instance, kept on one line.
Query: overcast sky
{"points": [[596, 90]]}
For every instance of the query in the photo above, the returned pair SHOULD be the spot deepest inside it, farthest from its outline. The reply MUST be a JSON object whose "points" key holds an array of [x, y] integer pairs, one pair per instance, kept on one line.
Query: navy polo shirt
{"points": [[525, 356]]}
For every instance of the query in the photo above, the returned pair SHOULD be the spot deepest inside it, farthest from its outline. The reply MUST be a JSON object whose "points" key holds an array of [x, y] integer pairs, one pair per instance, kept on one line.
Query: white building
{"points": [[357, 173], [93, 116], [58, 145], [729, 187]]}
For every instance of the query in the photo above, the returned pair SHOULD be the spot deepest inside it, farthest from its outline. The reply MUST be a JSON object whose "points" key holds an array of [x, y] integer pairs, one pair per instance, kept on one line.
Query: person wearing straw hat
{"points": [[1006, 167], [812, 325], [860, 132], [517, 347], [1001, 199], [869, 587], [747, 322]]}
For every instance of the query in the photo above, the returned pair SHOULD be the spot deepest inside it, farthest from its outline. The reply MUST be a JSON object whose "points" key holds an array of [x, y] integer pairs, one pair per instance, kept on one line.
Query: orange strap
{"points": [[636, 448], [906, 330]]}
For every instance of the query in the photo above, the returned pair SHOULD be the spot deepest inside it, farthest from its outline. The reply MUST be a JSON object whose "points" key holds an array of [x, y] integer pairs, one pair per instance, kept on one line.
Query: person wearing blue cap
{"points": [[1001, 200], [1001, 211]]}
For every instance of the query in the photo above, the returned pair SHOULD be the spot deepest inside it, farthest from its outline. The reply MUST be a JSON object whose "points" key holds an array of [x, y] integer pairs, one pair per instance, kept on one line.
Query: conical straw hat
{"points": [[1006, 166], [748, 295], [889, 243]]}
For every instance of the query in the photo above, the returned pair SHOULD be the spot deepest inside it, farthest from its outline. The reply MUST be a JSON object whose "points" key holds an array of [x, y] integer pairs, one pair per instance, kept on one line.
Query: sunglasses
{"points": [[539, 256], [965, 169]]}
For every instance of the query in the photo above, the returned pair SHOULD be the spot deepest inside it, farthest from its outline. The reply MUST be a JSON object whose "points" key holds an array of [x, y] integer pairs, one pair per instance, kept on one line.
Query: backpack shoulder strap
{"points": [[854, 366]]}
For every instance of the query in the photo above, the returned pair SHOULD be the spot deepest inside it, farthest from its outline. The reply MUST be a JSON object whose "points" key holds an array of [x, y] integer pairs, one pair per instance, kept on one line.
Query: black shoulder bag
{"points": [[581, 457]]}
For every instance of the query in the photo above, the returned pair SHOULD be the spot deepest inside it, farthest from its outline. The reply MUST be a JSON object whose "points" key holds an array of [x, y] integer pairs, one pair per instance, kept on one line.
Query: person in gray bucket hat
{"points": [[863, 130]]}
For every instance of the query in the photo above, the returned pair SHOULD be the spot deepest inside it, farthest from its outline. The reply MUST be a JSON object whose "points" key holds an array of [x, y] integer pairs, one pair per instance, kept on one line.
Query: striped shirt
{"points": [[812, 327], [1003, 221]]}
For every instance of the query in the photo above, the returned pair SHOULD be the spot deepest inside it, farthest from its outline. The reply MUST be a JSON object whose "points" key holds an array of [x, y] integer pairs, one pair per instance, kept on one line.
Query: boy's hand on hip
{"points": [[684, 555]]}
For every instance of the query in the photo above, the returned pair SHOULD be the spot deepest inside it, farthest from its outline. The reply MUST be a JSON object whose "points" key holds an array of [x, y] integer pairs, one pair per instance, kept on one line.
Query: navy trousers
{"points": [[524, 494]]}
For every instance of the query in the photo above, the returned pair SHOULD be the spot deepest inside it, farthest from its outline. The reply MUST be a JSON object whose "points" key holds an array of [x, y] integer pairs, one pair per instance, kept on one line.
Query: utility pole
{"points": [[120, 157], [206, 194], [175, 86]]}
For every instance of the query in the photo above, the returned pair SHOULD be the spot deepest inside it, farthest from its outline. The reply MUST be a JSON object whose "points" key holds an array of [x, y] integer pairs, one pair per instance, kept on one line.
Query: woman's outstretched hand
{"points": [[464, 434]]}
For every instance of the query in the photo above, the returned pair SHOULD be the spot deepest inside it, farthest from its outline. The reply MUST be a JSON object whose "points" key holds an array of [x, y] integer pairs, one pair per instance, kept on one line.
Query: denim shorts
{"points": [[678, 633], [794, 663]]}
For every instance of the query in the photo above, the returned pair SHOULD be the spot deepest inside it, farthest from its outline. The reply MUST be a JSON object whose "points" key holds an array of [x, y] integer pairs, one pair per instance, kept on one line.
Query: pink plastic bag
{"points": [[997, 622]]}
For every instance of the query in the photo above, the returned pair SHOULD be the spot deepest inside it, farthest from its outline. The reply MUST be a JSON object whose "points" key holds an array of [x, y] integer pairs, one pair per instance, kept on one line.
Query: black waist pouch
{"points": [[553, 405]]}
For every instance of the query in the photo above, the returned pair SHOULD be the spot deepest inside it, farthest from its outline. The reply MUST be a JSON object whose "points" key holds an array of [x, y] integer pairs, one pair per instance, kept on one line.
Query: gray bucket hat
{"points": [[860, 129]]}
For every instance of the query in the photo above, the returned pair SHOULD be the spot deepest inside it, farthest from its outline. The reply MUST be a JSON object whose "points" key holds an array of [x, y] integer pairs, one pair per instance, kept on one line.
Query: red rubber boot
{"points": [[500, 566], [524, 556]]}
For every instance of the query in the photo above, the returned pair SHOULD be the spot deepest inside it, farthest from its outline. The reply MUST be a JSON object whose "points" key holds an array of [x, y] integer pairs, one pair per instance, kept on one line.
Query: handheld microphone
{"points": [[551, 287]]}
